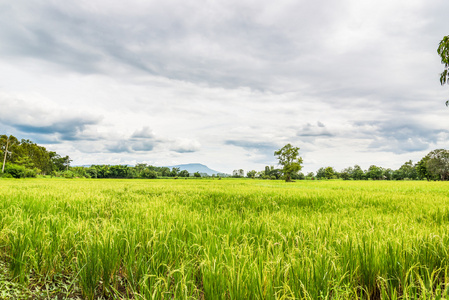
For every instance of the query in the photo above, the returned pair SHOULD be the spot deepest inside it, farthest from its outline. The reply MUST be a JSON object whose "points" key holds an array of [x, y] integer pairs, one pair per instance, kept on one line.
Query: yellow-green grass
{"points": [[226, 239]]}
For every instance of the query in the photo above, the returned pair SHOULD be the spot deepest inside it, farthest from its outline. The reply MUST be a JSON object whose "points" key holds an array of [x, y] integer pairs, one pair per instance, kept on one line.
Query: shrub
{"points": [[31, 172], [69, 174], [151, 174], [15, 171]]}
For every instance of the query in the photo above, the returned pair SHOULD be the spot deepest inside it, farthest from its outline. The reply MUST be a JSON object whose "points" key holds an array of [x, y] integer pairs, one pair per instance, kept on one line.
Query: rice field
{"points": [[223, 239]]}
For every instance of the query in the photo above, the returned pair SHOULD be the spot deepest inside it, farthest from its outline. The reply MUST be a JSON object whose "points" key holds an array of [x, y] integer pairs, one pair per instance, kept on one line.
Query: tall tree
{"points": [[375, 172], [443, 51], [329, 172], [438, 163], [357, 173], [408, 170], [288, 158]]}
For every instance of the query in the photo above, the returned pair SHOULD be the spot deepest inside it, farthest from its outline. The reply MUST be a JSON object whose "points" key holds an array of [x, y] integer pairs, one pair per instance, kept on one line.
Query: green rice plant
{"points": [[227, 239]]}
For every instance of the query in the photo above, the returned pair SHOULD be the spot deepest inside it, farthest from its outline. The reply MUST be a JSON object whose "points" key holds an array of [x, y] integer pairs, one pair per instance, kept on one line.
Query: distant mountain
{"points": [[192, 168]]}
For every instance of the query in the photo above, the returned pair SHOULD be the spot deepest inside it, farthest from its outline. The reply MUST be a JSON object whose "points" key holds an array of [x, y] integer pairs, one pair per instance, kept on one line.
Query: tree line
{"points": [[124, 171], [27, 159], [433, 166], [23, 158]]}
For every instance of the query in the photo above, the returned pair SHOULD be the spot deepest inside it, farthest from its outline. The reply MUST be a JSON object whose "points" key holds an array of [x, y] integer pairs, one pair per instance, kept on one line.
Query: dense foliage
{"points": [[443, 52], [124, 171], [434, 166], [289, 160], [27, 159]]}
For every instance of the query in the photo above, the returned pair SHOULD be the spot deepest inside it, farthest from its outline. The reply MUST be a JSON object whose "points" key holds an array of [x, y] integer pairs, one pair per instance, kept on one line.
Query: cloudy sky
{"points": [[225, 83]]}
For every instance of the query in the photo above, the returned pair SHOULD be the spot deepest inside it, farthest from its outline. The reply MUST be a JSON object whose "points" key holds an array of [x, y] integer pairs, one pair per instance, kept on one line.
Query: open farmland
{"points": [[223, 239]]}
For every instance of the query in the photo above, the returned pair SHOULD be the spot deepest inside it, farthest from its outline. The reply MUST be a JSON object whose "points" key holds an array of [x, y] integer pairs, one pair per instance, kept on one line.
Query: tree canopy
{"points": [[443, 51], [288, 158], [29, 156]]}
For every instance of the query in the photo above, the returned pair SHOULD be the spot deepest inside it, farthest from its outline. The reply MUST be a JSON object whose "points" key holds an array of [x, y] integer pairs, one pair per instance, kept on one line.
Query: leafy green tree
{"points": [[329, 172], [184, 173], [139, 168], [421, 169], [310, 175], [251, 174], [357, 173], [9, 148], [92, 172], [276, 174], [375, 172], [37, 156], [321, 173], [174, 172], [30, 155], [438, 163], [443, 51], [299, 176], [388, 174], [151, 174], [268, 170], [397, 175], [165, 172], [119, 171], [288, 158], [197, 174], [345, 174], [408, 170]]}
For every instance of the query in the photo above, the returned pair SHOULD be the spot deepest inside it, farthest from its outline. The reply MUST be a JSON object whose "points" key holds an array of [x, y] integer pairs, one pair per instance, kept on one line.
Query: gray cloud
{"points": [[145, 132], [66, 130], [144, 140], [318, 130], [398, 136], [228, 44], [185, 146], [119, 147], [43, 120]]}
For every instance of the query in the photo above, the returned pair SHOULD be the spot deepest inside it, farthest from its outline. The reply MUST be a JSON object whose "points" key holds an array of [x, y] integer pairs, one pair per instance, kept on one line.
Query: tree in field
{"points": [[288, 158], [251, 174], [357, 173], [329, 172], [345, 174], [438, 163], [443, 51], [184, 173], [388, 174], [421, 169], [408, 170], [165, 172], [321, 173], [174, 172], [375, 172]]}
